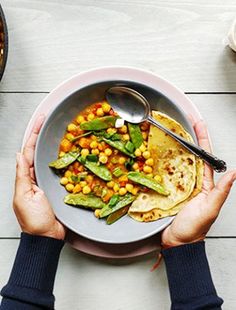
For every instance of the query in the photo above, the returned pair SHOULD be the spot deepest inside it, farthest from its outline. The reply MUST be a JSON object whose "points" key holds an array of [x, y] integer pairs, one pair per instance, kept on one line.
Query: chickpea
{"points": [[106, 107], [122, 160], [123, 129], [84, 152], [137, 152], [100, 112], [129, 187], [93, 137], [135, 191], [74, 148], [147, 169], [86, 189], [83, 142], [111, 130], [65, 145], [77, 189], [116, 187], [123, 178], [83, 183], [158, 178], [146, 154], [142, 148], [69, 187], [110, 184], [89, 179], [80, 119], [135, 166], [144, 135], [108, 152], [68, 174], [64, 181], [93, 144], [100, 147], [90, 116], [149, 162], [61, 154], [97, 213], [103, 159], [71, 127], [122, 191], [126, 137], [150, 175], [95, 151]]}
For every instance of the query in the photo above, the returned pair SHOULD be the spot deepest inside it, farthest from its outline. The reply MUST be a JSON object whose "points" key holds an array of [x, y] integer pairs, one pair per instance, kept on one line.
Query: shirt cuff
{"points": [[188, 272], [34, 270]]}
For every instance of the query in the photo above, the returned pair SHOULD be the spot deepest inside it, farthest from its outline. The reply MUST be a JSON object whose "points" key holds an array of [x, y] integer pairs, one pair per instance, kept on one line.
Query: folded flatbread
{"points": [[181, 172]]}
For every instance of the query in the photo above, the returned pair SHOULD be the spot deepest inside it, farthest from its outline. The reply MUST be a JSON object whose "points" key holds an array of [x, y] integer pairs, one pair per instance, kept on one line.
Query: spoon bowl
{"points": [[128, 103]]}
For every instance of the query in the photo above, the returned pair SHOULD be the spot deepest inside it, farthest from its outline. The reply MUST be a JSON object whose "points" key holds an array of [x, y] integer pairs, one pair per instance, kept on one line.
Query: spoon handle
{"points": [[217, 164]]}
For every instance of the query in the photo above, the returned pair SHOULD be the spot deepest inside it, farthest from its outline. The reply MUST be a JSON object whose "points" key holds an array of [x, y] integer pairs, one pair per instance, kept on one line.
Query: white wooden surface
{"points": [[179, 40]]}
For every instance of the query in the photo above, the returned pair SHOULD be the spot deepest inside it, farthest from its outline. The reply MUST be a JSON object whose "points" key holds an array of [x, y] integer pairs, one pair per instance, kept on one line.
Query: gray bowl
{"points": [[81, 221]]}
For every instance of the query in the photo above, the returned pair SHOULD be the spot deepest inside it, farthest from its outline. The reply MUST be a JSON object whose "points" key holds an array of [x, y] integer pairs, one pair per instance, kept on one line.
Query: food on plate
{"points": [[115, 168], [181, 173]]}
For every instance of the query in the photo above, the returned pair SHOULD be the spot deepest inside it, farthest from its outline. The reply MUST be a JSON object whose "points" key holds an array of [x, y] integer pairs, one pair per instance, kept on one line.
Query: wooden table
{"points": [[182, 41]]}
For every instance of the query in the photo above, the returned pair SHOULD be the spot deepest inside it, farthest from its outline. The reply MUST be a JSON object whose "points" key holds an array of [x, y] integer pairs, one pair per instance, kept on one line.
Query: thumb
{"points": [[23, 180], [220, 192]]}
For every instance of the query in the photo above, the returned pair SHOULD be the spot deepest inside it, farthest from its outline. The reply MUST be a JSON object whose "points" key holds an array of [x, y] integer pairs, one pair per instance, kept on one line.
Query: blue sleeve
{"points": [[30, 286], [189, 278]]}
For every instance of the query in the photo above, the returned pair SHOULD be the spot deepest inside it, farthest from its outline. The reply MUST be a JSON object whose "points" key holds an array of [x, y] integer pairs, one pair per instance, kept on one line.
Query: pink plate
{"points": [[95, 76]]}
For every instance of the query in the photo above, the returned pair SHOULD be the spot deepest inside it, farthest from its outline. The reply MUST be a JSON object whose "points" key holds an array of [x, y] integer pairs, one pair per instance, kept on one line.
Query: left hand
{"points": [[33, 211]]}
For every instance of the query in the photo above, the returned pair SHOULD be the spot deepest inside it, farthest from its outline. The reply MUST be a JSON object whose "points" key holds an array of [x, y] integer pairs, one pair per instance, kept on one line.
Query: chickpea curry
{"points": [[104, 163]]}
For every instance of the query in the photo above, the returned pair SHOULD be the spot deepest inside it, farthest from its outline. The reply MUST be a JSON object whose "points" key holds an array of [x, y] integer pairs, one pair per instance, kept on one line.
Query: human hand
{"points": [[33, 211], [193, 222]]}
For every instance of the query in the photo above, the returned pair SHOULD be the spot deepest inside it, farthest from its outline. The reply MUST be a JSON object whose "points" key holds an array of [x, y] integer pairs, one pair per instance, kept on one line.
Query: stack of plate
{"points": [[3, 42], [126, 237]]}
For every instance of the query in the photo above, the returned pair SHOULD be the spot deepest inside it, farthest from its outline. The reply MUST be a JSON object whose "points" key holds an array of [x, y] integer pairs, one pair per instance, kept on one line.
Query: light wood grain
{"points": [[179, 40], [16, 110], [84, 282]]}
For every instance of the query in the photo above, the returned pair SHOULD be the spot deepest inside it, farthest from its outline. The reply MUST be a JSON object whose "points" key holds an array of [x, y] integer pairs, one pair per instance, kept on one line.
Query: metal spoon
{"points": [[134, 108]]}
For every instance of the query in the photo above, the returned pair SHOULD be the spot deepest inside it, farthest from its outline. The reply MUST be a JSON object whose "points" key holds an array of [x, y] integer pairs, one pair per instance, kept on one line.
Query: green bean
{"points": [[126, 200], [87, 201], [142, 179], [64, 161], [99, 123], [99, 170], [135, 135], [113, 217], [119, 145]]}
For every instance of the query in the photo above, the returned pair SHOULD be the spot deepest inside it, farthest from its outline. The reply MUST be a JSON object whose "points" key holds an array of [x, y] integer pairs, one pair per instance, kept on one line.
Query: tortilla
{"points": [[181, 172]]}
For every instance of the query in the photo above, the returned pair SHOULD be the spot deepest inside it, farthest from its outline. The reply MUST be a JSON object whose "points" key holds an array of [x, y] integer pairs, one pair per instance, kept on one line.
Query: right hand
{"points": [[33, 211], [193, 222]]}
